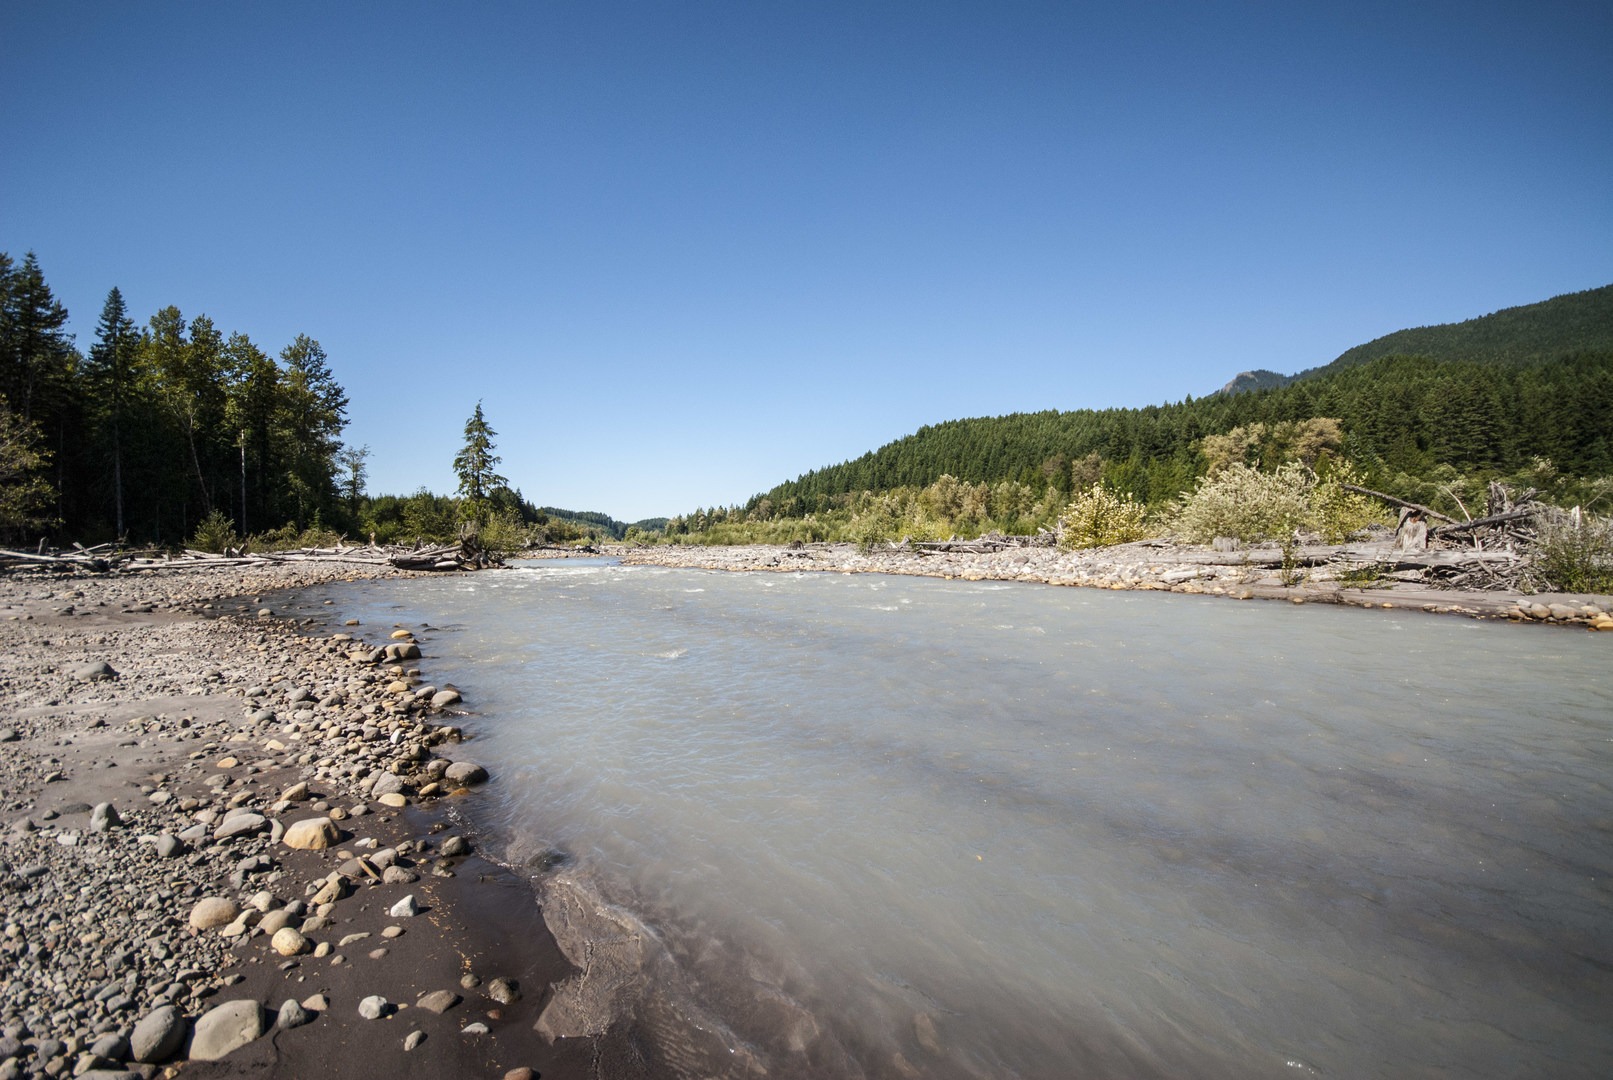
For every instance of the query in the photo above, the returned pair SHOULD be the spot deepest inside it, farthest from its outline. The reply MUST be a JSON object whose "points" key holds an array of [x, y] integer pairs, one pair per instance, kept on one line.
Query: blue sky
{"points": [[684, 251]]}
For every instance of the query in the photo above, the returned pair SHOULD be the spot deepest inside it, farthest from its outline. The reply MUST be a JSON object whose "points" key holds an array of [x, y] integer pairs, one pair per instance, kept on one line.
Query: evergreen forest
{"points": [[1524, 394], [177, 431]]}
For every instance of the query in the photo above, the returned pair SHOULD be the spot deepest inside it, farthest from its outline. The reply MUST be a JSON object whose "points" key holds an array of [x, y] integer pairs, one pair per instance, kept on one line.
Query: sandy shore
{"points": [[1245, 575], [161, 905]]}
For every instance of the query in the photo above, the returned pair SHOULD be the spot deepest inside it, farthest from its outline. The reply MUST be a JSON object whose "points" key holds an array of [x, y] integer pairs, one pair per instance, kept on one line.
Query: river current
{"points": [[882, 826]]}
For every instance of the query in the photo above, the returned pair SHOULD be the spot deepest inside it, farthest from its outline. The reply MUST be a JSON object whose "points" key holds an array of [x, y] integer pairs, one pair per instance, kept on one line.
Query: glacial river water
{"points": [[889, 827]]}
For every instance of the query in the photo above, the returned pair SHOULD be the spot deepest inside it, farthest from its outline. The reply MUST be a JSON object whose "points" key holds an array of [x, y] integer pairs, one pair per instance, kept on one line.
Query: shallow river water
{"points": [[908, 827]]}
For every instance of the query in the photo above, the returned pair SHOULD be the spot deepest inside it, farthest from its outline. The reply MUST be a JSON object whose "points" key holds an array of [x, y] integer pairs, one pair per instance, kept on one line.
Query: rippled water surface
{"points": [[910, 827]]}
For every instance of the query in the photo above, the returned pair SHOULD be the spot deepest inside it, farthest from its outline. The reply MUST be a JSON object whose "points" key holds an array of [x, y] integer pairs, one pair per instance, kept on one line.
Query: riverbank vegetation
{"points": [[1521, 396]]}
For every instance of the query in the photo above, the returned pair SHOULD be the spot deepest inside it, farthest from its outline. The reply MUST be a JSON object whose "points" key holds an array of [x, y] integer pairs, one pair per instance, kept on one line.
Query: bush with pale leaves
{"points": [[1099, 518]]}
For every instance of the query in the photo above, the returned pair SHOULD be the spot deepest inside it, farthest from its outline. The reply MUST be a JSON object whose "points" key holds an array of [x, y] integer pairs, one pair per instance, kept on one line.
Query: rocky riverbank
{"points": [[232, 847], [1157, 565]]}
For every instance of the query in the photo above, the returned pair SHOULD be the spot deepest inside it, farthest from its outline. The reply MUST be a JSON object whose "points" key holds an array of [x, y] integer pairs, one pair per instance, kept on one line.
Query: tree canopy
{"points": [[158, 427]]}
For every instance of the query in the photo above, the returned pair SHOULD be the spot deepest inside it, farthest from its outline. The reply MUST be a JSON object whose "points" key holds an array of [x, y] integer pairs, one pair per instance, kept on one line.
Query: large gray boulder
{"points": [[240, 823], [465, 772], [387, 784], [92, 672], [228, 1027], [158, 1035]]}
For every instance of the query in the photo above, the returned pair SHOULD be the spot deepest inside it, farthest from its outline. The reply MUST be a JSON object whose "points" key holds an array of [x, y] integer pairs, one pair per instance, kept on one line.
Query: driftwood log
{"points": [[104, 558]]}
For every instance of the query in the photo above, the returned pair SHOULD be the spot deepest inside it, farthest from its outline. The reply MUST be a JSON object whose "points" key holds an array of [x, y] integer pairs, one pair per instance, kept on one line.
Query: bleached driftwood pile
{"points": [[466, 554], [1489, 552]]}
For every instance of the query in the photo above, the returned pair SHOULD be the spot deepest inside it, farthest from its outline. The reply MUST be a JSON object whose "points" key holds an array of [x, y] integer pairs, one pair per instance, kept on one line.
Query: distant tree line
{"points": [[176, 432], [156, 428], [1424, 429]]}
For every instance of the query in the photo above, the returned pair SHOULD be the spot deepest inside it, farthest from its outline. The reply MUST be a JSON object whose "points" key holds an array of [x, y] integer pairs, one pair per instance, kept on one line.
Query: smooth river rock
{"points": [[158, 1035], [227, 1027], [311, 834], [211, 912], [466, 772]]}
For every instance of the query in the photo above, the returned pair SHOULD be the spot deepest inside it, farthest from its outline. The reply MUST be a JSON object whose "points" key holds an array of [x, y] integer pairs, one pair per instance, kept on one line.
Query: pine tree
{"points": [[474, 465], [110, 375], [36, 352], [315, 412]]}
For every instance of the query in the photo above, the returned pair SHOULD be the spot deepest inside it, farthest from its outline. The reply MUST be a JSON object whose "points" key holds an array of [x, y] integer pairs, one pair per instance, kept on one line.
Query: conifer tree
{"points": [[110, 376], [474, 465]]}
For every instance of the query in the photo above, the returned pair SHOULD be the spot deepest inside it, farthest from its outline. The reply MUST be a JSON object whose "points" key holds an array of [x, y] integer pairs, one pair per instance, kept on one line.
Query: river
{"points": [[884, 826]]}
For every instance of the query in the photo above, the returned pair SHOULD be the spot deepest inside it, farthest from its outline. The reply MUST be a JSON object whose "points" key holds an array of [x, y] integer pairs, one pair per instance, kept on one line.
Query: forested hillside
{"points": [[1398, 414], [1532, 400], [1530, 334]]}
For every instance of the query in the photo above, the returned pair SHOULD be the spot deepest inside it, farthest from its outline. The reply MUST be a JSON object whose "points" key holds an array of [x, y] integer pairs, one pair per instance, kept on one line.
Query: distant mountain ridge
{"points": [[1259, 379], [1527, 334]]}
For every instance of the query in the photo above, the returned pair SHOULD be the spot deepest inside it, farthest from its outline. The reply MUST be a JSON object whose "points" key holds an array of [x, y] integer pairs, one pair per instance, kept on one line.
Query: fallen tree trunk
{"points": [[1391, 500], [1485, 522]]}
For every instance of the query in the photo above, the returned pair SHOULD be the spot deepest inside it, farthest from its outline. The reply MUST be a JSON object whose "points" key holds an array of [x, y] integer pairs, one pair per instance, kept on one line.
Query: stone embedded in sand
{"points": [[288, 941], [311, 834], [465, 772], [212, 912], [393, 799], [92, 672], [414, 1039], [272, 922], [439, 1001], [296, 792], [228, 762], [455, 845], [504, 991], [405, 908], [291, 1015], [374, 1007], [158, 1035], [334, 889], [227, 1027], [103, 817], [240, 823]]}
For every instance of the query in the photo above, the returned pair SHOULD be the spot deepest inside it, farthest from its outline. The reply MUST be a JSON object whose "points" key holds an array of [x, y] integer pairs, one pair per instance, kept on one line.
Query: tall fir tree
{"points": [[474, 465], [110, 375]]}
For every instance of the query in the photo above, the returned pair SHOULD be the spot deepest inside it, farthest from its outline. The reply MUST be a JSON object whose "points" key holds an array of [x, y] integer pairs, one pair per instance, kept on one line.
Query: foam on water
{"points": [[991, 830]]}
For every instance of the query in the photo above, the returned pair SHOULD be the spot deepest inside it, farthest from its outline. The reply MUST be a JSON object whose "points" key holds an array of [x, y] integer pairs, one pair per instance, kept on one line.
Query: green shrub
{"points": [[215, 533], [1100, 518], [1247, 504], [1573, 553], [1338, 514], [502, 535]]}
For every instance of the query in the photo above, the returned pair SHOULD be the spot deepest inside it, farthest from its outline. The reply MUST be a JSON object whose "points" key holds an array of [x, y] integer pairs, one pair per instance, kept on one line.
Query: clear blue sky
{"points": [[683, 251]]}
